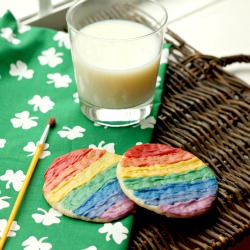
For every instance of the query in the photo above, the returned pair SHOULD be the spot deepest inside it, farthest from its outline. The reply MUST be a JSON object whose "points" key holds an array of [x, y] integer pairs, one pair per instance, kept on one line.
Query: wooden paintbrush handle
{"points": [[21, 193]]}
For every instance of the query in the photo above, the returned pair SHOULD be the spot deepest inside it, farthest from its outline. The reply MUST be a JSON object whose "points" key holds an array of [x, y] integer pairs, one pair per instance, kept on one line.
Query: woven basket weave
{"points": [[206, 111]]}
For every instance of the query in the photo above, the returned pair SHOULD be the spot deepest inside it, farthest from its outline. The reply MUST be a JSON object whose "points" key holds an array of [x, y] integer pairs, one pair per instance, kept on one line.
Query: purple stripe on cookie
{"points": [[119, 209], [188, 208]]}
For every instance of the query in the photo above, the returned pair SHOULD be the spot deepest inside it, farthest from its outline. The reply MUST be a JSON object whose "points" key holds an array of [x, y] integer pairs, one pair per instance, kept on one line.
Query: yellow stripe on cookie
{"points": [[161, 169], [63, 189]]}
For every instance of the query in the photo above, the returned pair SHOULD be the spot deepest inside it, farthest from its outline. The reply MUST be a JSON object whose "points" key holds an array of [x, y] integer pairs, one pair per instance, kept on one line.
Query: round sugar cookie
{"points": [[82, 184], [167, 180]]}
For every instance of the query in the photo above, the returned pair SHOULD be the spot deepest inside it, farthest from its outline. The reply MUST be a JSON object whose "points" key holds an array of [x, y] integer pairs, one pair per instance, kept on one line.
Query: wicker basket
{"points": [[206, 111]]}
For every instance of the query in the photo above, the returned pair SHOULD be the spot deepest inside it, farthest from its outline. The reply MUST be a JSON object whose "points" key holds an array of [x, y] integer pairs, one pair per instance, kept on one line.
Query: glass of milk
{"points": [[116, 47]]}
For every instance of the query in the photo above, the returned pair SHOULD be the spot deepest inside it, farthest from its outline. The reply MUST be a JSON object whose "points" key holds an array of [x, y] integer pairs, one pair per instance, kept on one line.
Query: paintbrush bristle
{"points": [[52, 121]]}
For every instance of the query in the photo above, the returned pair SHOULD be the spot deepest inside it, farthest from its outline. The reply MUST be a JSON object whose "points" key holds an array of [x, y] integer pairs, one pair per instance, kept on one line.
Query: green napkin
{"points": [[37, 82]]}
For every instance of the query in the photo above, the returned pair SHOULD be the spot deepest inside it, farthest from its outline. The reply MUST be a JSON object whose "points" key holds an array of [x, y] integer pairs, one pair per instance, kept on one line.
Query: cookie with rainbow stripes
{"points": [[167, 180], [82, 184]]}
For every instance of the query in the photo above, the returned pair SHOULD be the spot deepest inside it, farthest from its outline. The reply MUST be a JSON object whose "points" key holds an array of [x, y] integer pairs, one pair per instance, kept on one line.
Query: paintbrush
{"points": [[39, 149]]}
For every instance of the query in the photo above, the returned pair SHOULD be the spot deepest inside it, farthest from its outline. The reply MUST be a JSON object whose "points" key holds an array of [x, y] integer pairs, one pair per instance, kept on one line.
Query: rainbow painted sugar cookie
{"points": [[82, 184], [167, 180]]}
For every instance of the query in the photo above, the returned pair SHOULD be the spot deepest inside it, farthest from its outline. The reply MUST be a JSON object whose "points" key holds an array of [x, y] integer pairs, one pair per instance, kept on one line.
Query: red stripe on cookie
{"points": [[146, 150], [62, 162], [153, 160]]}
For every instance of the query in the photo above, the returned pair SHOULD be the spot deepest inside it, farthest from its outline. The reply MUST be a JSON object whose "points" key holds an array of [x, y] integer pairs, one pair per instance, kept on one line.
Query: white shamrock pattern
{"points": [[44, 104], [71, 134], [110, 147], [116, 230], [90, 248], [76, 97], [32, 243], [47, 218], [21, 70], [139, 143], [59, 80], [14, 227], [8, 34], [3, 202], [50, 57], [164, 56], [2, 143], [23, 120], [149, 122], [158, 81], [16, 179], [31, 148], [63, 39]]}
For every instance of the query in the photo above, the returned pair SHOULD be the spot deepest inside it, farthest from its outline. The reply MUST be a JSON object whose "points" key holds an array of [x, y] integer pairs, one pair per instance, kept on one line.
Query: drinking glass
{"points": [[116, 47]]}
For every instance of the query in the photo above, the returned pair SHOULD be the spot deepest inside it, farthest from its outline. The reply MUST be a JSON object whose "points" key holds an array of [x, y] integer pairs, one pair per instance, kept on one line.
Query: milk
{"points": [[113, 70]]}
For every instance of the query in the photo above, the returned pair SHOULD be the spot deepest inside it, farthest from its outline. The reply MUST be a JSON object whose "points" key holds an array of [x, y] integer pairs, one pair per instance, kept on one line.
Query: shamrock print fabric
{"points": [[37, 82]]}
